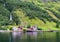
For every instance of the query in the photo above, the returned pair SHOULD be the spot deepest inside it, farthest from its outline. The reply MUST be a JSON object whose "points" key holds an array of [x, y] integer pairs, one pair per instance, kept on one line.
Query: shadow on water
{"points": [[29, 37], [57, 36]]}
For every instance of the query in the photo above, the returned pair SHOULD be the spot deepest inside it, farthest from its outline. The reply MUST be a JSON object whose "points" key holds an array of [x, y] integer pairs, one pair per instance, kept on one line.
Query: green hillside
{"points": [[43, 13]]}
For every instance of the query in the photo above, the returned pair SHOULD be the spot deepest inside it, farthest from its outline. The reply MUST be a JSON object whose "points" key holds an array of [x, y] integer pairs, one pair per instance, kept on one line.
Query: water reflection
{"points": [[57, 36], [33, 34], [30, 37], [16, 36]]}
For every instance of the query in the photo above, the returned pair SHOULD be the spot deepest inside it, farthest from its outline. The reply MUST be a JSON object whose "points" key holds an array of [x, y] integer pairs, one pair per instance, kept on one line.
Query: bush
{"points": [[3, 28], [39, 29], [28, 26]]}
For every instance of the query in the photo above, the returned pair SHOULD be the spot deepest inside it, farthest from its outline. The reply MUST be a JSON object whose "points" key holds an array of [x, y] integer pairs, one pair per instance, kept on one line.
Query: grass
{"points": [[27, 8]]}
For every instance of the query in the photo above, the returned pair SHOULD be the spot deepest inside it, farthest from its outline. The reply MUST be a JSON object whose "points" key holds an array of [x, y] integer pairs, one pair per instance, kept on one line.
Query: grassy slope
{"points": [[25, 20], [37, 21]]}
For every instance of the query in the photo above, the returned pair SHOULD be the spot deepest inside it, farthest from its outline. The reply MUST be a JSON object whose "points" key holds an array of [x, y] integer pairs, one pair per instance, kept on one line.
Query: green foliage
{"points": [[29, 12], [6, 27]]}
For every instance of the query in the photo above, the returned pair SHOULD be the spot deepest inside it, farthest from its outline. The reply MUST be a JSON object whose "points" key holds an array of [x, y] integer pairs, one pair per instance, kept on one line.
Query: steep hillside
{"points": [[31, 12]]}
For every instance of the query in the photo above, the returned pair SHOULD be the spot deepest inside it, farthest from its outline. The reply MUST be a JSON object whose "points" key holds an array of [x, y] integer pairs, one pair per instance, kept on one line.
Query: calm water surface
{"points": [[30, 37]]}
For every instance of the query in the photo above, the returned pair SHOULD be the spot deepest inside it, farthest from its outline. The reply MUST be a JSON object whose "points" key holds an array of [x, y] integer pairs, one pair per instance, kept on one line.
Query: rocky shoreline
{"points": [[30, 31]]}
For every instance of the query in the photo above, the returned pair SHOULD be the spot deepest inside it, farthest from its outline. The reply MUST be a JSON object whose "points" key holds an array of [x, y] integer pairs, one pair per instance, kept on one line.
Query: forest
{"points": [[43, 13]]}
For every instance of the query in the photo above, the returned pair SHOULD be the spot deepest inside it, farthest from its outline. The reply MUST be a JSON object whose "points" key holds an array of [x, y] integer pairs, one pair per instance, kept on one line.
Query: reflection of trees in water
{"points": [[35, 37], [49, 37], [4, 37], [57, 37]]}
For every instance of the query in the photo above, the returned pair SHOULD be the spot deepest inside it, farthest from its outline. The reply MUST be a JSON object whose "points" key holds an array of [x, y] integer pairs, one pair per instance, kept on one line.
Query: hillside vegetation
{"points": [[43, 13]]}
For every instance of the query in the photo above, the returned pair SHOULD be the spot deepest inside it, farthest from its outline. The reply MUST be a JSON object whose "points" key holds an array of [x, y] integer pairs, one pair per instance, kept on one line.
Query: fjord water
{"points": [[29, 37]]}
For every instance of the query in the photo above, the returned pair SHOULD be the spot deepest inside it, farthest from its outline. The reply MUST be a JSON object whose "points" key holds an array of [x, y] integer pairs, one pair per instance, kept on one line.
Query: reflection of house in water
{"points": [[32, 34], [16, 36], [35, 34]]}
